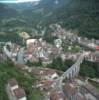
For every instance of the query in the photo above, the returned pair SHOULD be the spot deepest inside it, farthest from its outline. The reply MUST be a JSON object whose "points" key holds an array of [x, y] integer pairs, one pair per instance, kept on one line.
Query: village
{"points": [[38, 50]]}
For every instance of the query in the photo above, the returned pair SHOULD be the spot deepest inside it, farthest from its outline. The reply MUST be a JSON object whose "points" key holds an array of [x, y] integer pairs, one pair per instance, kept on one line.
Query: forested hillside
{"points": [[82, 15], [79, 15]]}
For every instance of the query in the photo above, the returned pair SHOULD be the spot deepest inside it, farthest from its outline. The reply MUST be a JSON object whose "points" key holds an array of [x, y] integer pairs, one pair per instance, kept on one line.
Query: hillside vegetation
{"points": [[79, 15]]}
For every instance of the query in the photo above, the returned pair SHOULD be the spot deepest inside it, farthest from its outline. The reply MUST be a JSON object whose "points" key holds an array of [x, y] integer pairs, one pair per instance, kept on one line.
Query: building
{"points": [[46, 86], [93, 57], [57, 95], [19, 94], [75, 91], [46, 61], [44, 73], [58, 43], [14, 91], [31, 41], [71, 56], [70, 91]]}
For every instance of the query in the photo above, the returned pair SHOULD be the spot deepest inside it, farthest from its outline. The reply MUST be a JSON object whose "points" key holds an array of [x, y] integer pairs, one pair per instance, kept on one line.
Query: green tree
{"points": [[59, 64], [87, 69]]}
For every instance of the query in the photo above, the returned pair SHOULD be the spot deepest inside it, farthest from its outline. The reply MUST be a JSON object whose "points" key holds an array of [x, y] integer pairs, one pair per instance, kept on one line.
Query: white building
{"points": [[58, 43], [29, 41]]}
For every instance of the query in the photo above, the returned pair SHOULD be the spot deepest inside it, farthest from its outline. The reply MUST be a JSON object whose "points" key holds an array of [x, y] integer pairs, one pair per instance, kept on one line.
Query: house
{"points": [[34, 59], [58, 43], [30, 57], [41, 53], [12, 84], [44, 73], [92, 45], [50, 73], [14, 52], [55, 51], [19, 94], [46, 61], [30, 49], [59, 32], [57, 95], [70, 91], [7, 52], [14, 91], [69, 55], [74, 92], [46, 86], [31, 41], [94, 57], [11, 51]]}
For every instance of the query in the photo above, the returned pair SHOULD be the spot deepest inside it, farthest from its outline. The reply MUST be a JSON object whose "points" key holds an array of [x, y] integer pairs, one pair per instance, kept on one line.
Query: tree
{"points": [[59, 64], [96, 67], [30, 64], [87, 69]]}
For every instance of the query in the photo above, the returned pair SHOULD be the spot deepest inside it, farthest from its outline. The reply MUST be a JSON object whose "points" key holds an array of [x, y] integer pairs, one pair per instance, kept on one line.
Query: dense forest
{"points": [[80, 15]]}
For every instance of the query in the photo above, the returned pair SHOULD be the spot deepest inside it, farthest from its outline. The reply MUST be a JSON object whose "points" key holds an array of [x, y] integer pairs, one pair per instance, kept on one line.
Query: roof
{"points": [[43, 72], [47, 85], [30, 50], [70, 89], [36, 71], [94, 56], [46, 82], [45, 59], [49, 71], [12, 82], [19, 93], [57, 95], [55, 50], [34, 59]]}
